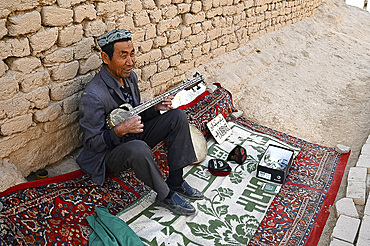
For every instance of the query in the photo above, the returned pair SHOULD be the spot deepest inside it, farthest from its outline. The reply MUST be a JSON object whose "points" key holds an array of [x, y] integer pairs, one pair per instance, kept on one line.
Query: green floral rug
{"points": [[234, 205]]}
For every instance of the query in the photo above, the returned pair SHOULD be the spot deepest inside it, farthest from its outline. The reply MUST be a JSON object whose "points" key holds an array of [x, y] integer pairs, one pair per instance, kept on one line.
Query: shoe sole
{"points": [[164, 205], [191, 197]]}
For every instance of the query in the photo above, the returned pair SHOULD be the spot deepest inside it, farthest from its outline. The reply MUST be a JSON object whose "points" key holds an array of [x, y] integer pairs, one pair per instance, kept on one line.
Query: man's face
{"points": [[122, 61]]}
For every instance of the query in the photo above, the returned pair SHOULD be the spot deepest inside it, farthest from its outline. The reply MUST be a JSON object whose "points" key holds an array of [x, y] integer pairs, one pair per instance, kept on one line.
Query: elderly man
{"points": [[129, 144]]}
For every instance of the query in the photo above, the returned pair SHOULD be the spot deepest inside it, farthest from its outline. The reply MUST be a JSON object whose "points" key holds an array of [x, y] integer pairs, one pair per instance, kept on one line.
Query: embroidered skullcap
{"points": [[113, 36], [238, 154]]}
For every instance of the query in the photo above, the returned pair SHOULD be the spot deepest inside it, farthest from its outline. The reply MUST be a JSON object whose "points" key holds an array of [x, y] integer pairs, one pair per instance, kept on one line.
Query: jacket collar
{"points": [[111, 82]]}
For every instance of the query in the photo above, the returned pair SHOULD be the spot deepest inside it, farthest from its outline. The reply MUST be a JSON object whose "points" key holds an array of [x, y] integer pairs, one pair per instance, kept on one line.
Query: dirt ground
{"points": [[310, 80]]}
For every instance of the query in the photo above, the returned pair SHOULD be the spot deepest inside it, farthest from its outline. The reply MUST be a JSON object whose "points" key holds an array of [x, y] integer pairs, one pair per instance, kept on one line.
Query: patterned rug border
{"points": [[36, 183], [323, 215]]}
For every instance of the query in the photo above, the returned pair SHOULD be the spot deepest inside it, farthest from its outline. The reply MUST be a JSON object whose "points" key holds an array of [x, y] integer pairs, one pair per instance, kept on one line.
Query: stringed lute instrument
{"points": [[125, 111]]}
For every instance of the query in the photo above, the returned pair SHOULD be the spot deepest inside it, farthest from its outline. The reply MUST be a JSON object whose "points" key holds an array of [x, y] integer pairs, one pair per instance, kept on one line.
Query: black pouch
{"points": [[219, 167]]}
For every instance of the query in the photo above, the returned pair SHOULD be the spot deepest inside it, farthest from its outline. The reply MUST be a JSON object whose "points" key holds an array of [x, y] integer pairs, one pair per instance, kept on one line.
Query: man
{"points": [[129, 144]]}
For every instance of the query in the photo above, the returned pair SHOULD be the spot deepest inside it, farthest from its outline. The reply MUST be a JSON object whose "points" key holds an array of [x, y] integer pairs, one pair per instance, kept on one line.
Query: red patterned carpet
{"points": [[53, 211], [299, 212]]}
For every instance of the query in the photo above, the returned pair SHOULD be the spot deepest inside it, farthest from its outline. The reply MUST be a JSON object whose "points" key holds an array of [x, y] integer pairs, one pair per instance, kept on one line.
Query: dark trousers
{"points": [[137, 153]]}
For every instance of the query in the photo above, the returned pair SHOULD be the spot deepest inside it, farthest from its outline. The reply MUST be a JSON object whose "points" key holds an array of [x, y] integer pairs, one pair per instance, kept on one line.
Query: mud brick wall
{"points": [[48, 53]]}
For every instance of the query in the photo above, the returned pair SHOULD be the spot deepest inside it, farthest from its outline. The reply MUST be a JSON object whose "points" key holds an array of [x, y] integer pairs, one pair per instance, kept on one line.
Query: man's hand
{"points": [[131, 125], [166, 103]]}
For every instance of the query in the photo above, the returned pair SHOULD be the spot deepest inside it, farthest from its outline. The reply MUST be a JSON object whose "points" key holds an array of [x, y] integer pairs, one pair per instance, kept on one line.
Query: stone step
{"points": [[346, 228]]}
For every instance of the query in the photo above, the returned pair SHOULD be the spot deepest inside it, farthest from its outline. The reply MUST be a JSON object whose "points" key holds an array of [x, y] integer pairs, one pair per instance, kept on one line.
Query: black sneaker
{"points": [[177, 205], [187, 191]]}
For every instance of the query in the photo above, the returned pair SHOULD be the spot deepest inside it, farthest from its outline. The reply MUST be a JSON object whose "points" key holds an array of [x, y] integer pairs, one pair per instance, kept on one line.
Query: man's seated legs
{"points": [[174, 126], [136, 154]]}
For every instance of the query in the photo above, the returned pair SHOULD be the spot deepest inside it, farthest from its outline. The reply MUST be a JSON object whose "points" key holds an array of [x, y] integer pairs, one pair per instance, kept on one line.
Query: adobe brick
{"points": [[155, 55], [16, 124], [175, 23], [125, 23], [155, 16], [54, 16], [3, 68], [141, 19], [18, 47], [175, 60], [162, 77], [160, 41], [24, 65], [196, 28], [39, 98], [65, 71], [163, 26], [163, 65], [43, 40], [173, 36], [170, 12], [134, 6], [110, 8], [13, 107], [18, 5], [207, 5], [12, 143], [9, 84], [187, 55], [32, 81], [145, 46], [94, 28], [70, 104], [196, 7], [68, 3], [34, 156], [70, 35], [60, 91], [148, 4], [148, 71], [49, 113], [3, 29], [24, 23], [59, 55], [183, 8], [83, 48], [162, 3], [86, 11], [91, 63]]}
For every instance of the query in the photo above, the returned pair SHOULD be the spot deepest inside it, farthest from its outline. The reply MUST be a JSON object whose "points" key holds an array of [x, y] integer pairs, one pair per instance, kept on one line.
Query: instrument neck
{"points": [[142, 107]]}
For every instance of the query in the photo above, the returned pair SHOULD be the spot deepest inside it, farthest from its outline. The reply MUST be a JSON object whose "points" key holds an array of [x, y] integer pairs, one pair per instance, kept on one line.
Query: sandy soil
{"points": [[310, 80]]}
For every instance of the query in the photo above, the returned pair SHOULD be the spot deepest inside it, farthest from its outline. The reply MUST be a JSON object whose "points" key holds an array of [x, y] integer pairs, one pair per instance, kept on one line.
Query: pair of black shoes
{"points": [[176, 202]]}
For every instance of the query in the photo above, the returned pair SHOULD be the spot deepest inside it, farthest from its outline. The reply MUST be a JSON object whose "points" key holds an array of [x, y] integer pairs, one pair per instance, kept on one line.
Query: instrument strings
{"points": [[140, 108]]}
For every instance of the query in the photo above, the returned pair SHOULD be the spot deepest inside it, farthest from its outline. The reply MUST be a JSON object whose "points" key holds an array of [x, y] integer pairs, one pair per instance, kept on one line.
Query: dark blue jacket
{"points": [[101, 95]]}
